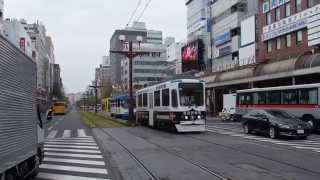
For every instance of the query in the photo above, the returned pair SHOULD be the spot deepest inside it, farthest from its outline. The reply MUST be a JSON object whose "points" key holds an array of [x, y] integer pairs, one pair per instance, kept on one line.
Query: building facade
{"points": [[198, 29], [103, 77], [138, 29], [226, 31], [173, 53], [287, 51], [147, 69], [14, 31], [284, 28]]}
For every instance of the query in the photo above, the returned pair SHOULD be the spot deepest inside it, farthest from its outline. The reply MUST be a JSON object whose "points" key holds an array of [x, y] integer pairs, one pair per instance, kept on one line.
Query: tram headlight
{"points": [[199, 117], [186, 117]]}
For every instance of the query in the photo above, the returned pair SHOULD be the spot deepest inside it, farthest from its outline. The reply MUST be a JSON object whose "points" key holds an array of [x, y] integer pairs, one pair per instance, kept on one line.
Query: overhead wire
{"points": [[144, 10], [134, 12]]}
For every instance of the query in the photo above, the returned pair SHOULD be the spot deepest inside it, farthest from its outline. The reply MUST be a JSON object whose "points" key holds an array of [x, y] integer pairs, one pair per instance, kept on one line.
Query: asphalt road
{"points": [[71, 153], [223, 152], [141, 153]]}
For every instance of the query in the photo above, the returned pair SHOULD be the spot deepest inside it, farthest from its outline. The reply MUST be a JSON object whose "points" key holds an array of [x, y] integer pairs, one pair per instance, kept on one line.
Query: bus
{"points": [[300, 100], [59, 108], [177, 104]]}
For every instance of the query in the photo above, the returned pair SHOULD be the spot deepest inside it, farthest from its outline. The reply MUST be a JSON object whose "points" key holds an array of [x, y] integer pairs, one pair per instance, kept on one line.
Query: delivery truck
{"points": [[21, 128]]}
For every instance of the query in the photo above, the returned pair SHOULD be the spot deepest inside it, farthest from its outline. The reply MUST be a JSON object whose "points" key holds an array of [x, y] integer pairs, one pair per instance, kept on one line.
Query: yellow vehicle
{"points": [[105, 104], [59, 108]]}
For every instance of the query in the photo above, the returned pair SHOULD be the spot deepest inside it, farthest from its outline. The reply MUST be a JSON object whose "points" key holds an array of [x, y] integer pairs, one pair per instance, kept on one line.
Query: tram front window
{"points": [[191, 94]]}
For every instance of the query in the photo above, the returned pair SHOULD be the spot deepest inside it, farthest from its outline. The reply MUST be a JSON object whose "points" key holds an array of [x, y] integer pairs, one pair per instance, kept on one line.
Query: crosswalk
{"points": [[312, 144], [72, 155]]}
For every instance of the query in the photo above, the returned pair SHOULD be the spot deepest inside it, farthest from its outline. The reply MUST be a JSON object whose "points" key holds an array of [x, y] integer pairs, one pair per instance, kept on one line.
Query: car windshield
{"points": [[191, 94], [280, 114]]}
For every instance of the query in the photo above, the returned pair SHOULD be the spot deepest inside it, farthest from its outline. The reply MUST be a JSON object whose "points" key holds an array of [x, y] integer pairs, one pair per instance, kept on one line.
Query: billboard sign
{"points": [[222, 38], [192, 56]]}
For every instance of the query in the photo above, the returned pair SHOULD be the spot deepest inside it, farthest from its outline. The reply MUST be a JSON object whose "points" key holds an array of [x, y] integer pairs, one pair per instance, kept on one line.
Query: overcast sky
{"points": [[81, 29]]}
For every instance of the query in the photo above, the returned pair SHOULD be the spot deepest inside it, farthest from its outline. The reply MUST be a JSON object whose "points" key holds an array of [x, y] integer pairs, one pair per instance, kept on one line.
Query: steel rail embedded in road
{"points": [[147, 171], [195, 163], [256, 155]]}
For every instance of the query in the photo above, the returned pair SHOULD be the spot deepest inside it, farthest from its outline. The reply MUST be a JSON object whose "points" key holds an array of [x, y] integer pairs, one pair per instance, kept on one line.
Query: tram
{"points": [[178, 104], [119, 106]]}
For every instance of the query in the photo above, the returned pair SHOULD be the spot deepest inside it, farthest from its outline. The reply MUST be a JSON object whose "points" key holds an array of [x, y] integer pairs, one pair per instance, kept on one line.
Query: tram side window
{"points": [[260, 98], [290, 97], [274, 97], [157, 98], [165, 97], [174, 98], [308, 96], [145, 100], [140, 100], [245, 99]]}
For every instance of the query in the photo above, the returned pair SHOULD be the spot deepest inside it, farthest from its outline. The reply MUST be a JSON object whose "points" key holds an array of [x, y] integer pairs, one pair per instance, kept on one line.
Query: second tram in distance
{"points": [[178, 104]]}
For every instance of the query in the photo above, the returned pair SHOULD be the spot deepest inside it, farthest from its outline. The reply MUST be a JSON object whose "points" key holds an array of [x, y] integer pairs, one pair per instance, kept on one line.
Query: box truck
{"points": [[21, 128]]}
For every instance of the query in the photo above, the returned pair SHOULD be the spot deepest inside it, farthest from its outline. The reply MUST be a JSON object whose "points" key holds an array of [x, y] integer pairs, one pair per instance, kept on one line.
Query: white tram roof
{"points": [[168, 83], [303, 86]]}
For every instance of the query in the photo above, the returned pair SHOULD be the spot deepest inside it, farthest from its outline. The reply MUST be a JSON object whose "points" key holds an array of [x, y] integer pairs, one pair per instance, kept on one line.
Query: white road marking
{"points": [[52, 135], [76, 161], [71, 143], [81, 133], [74, 169], [64, 177], [86, 138], [312, 148], [71, 146], [90, 156], [72, 150], [66, 134]]}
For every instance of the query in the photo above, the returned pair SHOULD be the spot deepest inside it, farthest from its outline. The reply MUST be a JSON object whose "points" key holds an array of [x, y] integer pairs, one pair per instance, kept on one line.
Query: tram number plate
{"points": [[300, 131]]}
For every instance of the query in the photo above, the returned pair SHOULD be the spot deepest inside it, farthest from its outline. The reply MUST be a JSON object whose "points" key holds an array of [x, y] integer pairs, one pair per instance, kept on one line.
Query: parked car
{"points": [[275, 123]]}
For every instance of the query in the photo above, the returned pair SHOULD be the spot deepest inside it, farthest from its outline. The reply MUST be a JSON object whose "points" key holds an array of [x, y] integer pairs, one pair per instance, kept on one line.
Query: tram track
{"points": [[134, 157], [254, 154], [176, 154]]}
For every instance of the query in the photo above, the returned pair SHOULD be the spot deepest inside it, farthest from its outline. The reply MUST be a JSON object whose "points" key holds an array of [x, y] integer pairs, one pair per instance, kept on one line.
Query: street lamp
{"points": [[130, 54]]}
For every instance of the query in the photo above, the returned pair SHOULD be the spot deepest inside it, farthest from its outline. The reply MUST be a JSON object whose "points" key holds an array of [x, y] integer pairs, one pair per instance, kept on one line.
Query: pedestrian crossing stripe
{"points": [[65, 177], [66, 157], [313, 145]]}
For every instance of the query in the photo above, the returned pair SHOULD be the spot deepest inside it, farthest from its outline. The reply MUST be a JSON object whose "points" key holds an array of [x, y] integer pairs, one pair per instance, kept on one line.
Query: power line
{"points": [[134, 12], [143, 11]]}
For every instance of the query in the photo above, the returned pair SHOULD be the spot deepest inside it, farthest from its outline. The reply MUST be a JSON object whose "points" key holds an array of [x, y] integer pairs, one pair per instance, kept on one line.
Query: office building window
{"points": [[311, 3], [299, 37], [278, 14], [269, 45], [298, 6], [269, 19], [288, 40], [278, 43], [288, 9]]}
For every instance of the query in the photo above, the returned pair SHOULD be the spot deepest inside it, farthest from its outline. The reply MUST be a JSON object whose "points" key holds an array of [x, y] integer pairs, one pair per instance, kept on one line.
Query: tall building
{"points": [[173, 49], [14, 31], [37, 33], [1, 16], [147, 69], [286, 41], [226, 31], [138, 29], [152, 37], [57, 82], [198, 31], [103, 77], [285, 29], [51, 56]]}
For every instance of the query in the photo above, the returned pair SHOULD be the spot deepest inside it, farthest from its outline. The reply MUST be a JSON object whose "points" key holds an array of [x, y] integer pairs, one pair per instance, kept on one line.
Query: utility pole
{"points": [[130, 54], [96, 87]]}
